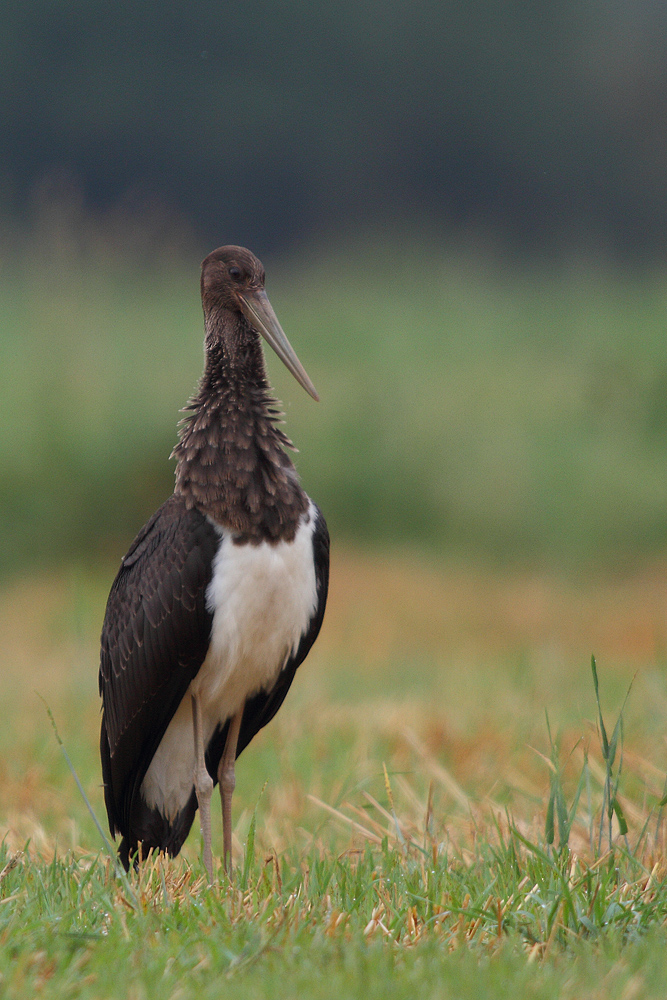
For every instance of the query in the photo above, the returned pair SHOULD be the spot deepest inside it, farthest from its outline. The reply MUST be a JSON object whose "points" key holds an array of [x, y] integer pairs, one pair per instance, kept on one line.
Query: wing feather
{"points": [[154, 639]]}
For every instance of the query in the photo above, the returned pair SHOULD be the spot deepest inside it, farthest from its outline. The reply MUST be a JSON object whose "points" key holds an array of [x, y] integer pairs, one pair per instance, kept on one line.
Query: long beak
{"points": [[259, 312]]}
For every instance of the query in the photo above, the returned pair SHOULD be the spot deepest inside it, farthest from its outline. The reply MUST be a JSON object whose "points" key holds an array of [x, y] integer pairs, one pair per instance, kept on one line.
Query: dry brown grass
{"points": [[385, 607], [441, 673]]}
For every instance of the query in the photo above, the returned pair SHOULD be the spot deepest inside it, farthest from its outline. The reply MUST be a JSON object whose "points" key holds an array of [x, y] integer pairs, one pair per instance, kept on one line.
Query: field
{"points": [[428, 813], [423, 880]]}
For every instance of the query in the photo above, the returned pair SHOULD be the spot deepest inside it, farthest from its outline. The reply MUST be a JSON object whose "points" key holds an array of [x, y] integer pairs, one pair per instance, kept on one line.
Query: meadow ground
{"points": [[428, 815], [435, 878]]}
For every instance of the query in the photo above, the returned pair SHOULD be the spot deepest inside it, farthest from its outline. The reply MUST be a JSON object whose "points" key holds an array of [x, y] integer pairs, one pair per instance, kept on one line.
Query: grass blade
{"points": [[107, 843], [603, 731]]}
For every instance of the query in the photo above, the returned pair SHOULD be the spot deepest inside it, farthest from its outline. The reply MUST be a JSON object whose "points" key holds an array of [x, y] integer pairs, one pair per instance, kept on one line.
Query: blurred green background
{"points": [[462, 212]]}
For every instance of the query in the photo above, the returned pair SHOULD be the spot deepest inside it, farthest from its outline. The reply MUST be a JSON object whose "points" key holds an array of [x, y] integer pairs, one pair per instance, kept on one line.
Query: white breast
{"points": [[262, 598]]}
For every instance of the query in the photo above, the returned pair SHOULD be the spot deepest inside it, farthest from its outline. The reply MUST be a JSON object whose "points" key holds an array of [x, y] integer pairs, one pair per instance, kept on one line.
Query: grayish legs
{"points": [[227, 779], [203, 787]]}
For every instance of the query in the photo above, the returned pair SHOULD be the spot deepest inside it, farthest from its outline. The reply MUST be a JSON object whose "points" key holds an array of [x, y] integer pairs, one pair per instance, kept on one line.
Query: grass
{"points": [[410, 822], [319, 923]]}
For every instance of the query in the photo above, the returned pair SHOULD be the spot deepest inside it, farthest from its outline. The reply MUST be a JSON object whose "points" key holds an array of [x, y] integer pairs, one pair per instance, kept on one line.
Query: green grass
{"points": [[513, 413], [319, 925], [408, 911], [413, 831]]}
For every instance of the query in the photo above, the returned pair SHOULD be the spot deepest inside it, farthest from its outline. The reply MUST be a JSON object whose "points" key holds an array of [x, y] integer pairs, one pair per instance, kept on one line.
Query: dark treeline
{"points": [[268, 121]]}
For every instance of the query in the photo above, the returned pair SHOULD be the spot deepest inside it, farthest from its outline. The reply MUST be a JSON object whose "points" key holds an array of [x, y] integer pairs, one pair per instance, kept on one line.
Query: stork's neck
{"points": [[231, 462]]}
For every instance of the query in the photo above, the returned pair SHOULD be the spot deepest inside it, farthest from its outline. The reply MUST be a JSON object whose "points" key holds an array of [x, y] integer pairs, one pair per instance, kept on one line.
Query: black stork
{"points": [[221, 594]]}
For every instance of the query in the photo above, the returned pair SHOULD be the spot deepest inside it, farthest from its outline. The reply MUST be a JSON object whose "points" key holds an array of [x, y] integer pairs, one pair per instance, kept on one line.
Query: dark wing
{"points": [[154, 639], [260, 709]]}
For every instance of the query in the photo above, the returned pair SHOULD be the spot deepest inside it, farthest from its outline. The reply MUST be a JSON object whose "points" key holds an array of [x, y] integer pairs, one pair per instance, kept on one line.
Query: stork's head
{"points": [[232, 279]]}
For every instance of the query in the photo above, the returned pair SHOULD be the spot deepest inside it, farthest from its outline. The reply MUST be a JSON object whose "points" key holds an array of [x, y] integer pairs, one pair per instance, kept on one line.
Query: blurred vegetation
{"points": [[489, 388], [469, 407], [268, 122]]}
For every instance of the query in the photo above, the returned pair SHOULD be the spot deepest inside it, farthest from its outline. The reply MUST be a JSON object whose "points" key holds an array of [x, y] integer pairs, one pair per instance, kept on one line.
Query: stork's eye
{"points": [[235, 273]]}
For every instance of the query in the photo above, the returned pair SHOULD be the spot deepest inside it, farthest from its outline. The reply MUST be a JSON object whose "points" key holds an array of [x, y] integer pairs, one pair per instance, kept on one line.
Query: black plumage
{"points": [[234, 481]]}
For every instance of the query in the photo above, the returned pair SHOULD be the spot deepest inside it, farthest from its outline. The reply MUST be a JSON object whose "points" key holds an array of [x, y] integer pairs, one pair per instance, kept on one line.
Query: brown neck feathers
{"points": [[230, 459]]}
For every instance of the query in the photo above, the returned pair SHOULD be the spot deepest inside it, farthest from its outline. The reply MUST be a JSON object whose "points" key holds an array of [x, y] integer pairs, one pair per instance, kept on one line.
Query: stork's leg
{"points": [[203, 786], [227, 779]]}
